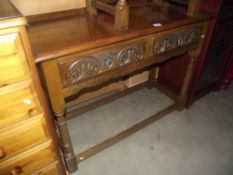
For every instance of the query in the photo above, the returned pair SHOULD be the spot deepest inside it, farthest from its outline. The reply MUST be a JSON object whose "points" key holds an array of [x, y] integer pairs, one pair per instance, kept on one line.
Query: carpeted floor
{"points": [[198, 141]]}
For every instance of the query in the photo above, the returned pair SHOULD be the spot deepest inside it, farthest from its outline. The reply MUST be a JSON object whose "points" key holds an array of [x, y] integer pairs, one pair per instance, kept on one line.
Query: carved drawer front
{"points": [[171, 42], [29, 161], [13, 63], [18, 102], [22, 135], [77, 68]]}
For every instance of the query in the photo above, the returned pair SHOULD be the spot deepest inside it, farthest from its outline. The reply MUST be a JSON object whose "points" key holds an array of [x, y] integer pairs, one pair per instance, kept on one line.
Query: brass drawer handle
{"points": [[16, 171], [2, 152]]}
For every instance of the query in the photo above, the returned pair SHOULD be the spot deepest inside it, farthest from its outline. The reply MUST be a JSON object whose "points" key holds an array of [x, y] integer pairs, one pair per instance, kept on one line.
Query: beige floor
{"points": [[198, 141]]}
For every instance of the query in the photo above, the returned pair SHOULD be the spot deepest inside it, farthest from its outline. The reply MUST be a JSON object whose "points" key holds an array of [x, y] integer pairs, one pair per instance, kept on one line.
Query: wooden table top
{"points": [[59, 37]]}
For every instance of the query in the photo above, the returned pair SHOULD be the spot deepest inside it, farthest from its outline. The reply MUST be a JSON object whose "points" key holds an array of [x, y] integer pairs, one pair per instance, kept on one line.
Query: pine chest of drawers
{"points": [[27, 145]]}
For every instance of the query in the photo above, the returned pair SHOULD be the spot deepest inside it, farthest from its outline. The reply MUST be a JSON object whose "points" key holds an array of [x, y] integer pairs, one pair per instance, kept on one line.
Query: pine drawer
{"points": [[29, 161], [13, 62], [51, 169], [22, 135], [18, 102]]}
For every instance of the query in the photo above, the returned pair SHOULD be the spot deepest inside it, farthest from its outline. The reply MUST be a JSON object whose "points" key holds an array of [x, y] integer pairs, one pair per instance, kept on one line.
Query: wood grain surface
{"points": [[18, 102], [13, 62], [27, 161], [50, 39], [33, 132]]}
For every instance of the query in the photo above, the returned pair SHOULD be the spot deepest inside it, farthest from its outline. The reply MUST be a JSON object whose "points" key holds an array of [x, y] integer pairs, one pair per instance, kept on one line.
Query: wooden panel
{"points": [[96, 91], [52, 169], [13, 63], [29, 161], [137, 79], [28, 7], [211, 6], [174, 82], [18, 137], [18, 102]]}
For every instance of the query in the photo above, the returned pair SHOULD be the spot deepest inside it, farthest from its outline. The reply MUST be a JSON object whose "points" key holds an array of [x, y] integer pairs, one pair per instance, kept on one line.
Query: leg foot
{"points": [[71, 163]]}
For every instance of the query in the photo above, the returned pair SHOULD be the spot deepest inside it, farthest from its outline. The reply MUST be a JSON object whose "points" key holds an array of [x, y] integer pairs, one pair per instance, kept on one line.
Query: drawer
{"points": [[22, 135], [86, 65], [52, 169], [172, 41], [29, 161], [18, 102], [13, 62]]}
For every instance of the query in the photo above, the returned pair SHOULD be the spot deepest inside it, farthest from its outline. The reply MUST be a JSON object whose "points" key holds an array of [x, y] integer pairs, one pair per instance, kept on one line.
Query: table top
{"points": [[80, 31]]}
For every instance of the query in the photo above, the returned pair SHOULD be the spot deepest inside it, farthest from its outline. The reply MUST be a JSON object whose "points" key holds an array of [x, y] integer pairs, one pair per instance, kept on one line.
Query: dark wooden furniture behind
{"points": [[219, 53], [214, 58]]}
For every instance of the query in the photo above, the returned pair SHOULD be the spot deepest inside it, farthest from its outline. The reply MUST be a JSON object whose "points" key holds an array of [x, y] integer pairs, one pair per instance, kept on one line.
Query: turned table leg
{"points": [[187, 80], [54, 87], [193, 57], [67, 147]]}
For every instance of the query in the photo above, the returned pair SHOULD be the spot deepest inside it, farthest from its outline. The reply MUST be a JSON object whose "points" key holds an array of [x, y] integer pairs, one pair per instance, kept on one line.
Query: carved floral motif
{"points": [[83, 68], [92, 65], [129, 55], [166, 44], [173, 41]]}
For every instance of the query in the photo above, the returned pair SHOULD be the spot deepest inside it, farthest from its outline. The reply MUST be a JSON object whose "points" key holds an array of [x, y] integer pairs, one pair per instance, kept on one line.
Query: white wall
{"points": [[32, 7]]}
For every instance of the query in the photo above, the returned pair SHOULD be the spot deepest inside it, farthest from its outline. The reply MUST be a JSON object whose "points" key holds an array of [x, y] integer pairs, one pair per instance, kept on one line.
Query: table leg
{"points": [[67, 148], [152, 78], [187, 80], [53, 82]]}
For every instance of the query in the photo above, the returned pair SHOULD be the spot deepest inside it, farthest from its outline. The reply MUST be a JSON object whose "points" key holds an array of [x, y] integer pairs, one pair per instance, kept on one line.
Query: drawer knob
{"points": [[2, 152], [16, 171]]}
